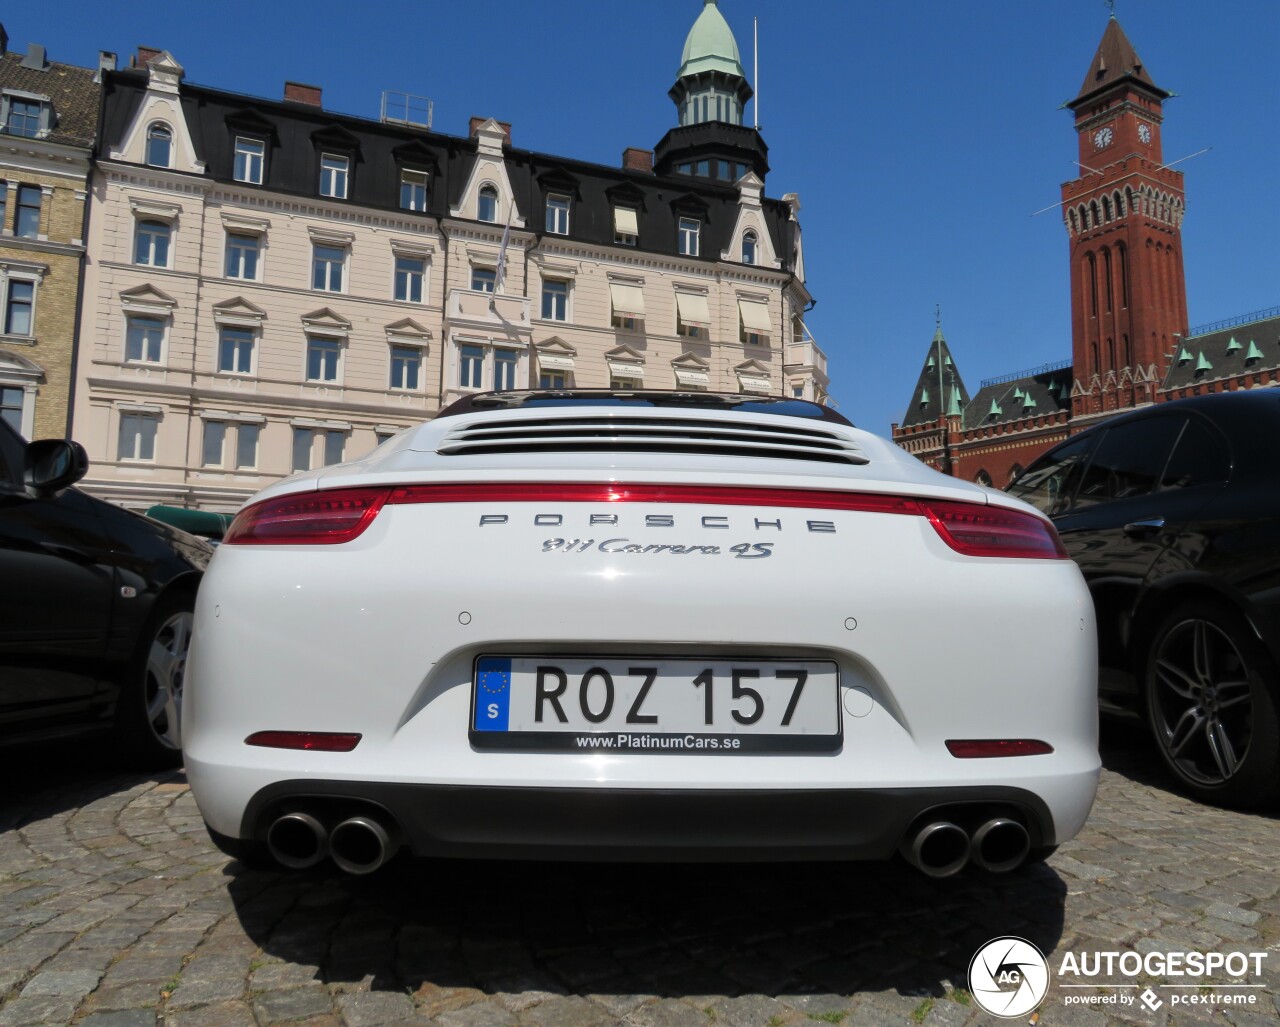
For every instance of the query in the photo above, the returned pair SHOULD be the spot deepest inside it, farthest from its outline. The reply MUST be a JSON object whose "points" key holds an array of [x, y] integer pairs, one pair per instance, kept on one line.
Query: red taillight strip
{"points": [[333, 516], [312, 741], [977, 748]]}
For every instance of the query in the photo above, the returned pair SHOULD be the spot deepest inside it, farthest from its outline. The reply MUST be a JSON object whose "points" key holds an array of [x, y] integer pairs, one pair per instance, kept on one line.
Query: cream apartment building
{"points": [[272, 287]]}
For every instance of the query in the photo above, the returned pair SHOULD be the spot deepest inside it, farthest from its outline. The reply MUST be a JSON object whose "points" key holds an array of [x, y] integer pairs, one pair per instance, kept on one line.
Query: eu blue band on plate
{"points": [[493, 694]]}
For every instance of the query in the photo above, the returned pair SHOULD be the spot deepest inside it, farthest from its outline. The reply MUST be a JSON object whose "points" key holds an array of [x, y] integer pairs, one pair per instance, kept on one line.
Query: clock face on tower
{"points": [[1103, 137], [1144, 132]]}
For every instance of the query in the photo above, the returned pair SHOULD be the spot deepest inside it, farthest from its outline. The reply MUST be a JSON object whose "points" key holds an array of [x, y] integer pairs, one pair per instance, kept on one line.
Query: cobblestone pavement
{"points": [[115, 911]]}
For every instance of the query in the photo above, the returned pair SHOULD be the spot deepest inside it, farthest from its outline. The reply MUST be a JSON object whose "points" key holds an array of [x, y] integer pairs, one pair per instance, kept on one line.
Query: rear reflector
{"points": [[314, 741], [340, 515], [977, 749]]}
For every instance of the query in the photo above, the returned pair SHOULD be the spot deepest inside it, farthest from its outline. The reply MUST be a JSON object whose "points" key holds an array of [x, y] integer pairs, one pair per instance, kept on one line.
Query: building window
{"points": [[555, 300], [488, 206], [151, 245], [413, 190], [333, 176], [406, 367], [626, 226], [4, 202], [471, 367], [250, 158], [323, 357], [334, 443], [18, 305], [623, 322], [26, 218], [159, 146], [137, 439], [235, 351], [411, 274], [749, 247], [688, 237], [552, 380], [689, 331], [11, 401], [26, 116], [214, 444], [327, 265], [303, 444], [797, 391], [558, 215], [750, 338], [504, 368], [144, 340], [483, 279], [242, 256], [247, 446]]}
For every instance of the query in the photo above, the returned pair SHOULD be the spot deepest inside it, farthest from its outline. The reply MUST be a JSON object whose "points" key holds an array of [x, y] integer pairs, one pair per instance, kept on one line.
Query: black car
{"points": [[96, 614], [1173, 515]]}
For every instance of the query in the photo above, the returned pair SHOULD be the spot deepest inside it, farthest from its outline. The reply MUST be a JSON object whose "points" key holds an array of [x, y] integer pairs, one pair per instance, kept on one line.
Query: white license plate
{"points": [[670, 706]]}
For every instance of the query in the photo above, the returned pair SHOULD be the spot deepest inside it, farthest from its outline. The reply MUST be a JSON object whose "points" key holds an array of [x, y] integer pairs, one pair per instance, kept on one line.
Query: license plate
{"points": [[661, 707]]}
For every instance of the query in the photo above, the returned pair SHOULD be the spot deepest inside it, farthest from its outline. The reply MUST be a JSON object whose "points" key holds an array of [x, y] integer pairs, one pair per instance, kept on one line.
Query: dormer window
{"points": [[558, 215], [413, 190], [28, 116], [487, 209], [626, 226], [159, 146], [688, 237], [250, 158], [749, 242], [333, 176]]}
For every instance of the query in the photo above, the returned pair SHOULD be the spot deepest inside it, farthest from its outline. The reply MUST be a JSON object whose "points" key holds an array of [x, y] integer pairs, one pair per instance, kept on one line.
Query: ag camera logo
{"points": [[1008, 977]]}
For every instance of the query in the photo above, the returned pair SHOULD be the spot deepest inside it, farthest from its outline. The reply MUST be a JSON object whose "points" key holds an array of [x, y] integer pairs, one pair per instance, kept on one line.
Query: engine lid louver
{"points": [[650, 435]]}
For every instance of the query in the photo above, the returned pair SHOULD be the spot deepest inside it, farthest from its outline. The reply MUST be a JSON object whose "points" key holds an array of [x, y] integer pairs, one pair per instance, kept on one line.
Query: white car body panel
{"points": [[379, 635]]}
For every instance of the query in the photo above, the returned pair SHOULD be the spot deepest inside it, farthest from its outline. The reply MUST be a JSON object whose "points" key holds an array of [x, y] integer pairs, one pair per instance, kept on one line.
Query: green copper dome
{"points": [[710, 45]]}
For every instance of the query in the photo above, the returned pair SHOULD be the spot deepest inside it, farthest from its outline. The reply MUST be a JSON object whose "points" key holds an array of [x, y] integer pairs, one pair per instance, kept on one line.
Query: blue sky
{"points": [[919, 134]]}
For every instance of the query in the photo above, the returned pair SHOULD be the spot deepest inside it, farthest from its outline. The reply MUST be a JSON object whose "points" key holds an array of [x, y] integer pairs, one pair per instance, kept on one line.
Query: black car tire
{"points": [[150, 702], [1208, 694]]}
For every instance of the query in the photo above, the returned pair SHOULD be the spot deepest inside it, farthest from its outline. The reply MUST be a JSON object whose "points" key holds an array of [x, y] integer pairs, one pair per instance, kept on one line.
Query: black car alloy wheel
{"points": [[1210, 705]]}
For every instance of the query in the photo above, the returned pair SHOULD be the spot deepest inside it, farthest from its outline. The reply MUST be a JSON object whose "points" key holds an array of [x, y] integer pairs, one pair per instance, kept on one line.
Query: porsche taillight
{"points": [[334, 516]]}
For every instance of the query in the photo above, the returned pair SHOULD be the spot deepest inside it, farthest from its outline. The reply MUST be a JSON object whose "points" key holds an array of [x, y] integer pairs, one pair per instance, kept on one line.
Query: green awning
{"points": [[197, 522]]}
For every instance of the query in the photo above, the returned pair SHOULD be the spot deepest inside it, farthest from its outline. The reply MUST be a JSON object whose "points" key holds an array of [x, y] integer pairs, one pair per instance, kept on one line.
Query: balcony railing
{"points": [[806, 354]]}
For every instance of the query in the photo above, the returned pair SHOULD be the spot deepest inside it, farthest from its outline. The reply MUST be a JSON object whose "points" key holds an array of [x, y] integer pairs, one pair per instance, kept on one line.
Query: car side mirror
{"points": [[53, 465]]}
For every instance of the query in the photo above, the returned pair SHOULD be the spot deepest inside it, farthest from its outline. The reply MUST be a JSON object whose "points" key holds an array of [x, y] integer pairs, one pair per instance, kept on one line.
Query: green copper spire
{"points": [[710, 45]]}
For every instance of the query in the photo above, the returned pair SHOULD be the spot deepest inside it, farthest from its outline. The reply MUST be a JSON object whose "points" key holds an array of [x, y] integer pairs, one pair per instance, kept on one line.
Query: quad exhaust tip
{"points": [[939, 849], [1000, 845], [297, 840], [359, 845]]}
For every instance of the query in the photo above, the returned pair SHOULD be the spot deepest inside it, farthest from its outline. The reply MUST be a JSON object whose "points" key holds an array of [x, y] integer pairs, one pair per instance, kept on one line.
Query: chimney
{"points": [[635, 159], [106, 62], [4, 40], [298, 92], [146, 54], [504, 125], [35, 59]]}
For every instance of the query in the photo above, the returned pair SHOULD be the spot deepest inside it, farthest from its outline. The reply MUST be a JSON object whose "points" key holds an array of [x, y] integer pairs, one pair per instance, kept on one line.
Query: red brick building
{"points": [[1130, 345]]}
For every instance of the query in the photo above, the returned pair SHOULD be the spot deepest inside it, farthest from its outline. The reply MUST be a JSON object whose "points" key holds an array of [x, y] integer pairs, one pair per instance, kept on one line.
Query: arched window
{"points": [[488, 210], [1074, 220], [1014, 471], [1106, 208], [983, 478], [749, 247], [159, 146]]}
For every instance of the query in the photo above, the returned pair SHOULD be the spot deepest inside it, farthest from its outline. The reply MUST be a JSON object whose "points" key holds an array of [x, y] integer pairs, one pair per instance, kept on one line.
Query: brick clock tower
{"points": [[1124, 219]]}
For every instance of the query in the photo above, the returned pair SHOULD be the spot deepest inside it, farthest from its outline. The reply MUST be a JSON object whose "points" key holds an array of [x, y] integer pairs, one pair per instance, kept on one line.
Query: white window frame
{"points": [[45, 104], [688, 232], [750, 247], [419, 366], [254, 165], [335, 174], [421, 274], [551, 288], [413, 180], [228, 248], [247, 429], [341, 265], [325, 344], [139, 450], [558, 213], [487, 191], [6, 303], [237, 350], [485, 352], [162, 325], [478, 270], [505, 356], [16, 189], [209, 426], [553, 379], [626, 217], [152, 128], [142, 229]]}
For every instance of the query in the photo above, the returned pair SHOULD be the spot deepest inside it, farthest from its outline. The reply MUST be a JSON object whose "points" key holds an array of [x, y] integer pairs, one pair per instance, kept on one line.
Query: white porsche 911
{"points": [[645, 625]]}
